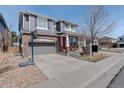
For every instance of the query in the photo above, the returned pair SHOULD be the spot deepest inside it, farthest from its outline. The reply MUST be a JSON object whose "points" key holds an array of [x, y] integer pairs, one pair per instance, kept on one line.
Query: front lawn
{"points": [[95, 58]]}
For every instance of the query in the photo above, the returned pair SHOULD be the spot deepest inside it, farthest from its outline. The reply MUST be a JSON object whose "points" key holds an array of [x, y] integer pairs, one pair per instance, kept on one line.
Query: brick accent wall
{"points": [[27, 37]]}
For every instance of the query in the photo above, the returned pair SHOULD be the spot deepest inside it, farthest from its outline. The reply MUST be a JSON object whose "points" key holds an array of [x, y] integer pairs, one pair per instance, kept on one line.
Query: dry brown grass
{"points": [[14, 50], [95, 58]]}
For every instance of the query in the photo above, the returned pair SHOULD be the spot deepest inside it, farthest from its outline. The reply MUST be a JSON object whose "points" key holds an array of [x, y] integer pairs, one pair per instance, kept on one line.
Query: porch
{"points": [[67, 43]]}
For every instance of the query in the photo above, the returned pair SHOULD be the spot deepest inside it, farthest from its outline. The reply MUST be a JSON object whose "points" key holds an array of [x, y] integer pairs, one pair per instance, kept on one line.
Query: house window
{"points": [[26, 17], [54, 26], [73, 28], [42, 24], [70, 27], [39, 44], [67, 26], [73, 41], [121, 38]]}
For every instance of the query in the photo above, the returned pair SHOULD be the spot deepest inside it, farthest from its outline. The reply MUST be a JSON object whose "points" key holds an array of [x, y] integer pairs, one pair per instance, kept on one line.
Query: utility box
{"points": [[94, 48], [34, 34]]}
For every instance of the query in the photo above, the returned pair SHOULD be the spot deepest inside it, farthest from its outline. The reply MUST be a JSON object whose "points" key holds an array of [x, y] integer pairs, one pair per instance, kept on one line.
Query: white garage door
{"points": [[41, 48]]}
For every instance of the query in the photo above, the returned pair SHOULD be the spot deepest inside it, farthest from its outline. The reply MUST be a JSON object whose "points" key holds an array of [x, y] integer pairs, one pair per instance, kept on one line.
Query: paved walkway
{"points": [[78, 73], [118, 81]]}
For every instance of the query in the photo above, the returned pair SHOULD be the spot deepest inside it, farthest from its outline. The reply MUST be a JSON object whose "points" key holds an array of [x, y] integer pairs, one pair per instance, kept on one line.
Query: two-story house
{"points": [[120, 42], [4, 35], [107, 42], [53, 35]]}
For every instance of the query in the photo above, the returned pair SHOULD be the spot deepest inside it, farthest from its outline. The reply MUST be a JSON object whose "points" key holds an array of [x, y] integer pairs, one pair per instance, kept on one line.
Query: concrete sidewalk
{"points": [[92, 75]]}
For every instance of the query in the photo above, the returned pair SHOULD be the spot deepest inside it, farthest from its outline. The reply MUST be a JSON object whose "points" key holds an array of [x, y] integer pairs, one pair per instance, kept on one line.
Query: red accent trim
{"points": [[59, 43], [64, 42]]}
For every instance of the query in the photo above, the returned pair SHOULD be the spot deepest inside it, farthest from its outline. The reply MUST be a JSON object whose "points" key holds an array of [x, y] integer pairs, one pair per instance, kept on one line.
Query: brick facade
{"points": [[26, 38]]}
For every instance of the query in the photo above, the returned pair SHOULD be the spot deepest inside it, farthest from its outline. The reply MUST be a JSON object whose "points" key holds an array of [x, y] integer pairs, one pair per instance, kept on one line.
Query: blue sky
{"points": [[73, 13]]}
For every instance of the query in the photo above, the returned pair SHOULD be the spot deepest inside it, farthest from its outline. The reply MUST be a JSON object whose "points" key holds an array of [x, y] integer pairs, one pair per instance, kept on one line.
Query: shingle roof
{"points": [[67, 21], [107, 38], [121, 36], [38, 15], [70, 33], [41, 32]]}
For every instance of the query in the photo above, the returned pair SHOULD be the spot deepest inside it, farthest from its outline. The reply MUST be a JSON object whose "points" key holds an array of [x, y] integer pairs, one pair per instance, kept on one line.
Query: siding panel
{"points": [[32, 23]]}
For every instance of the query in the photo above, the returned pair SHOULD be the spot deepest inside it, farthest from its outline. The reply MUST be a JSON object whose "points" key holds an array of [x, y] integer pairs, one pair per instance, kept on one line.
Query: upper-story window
{"points": [[42, 23], [26, 17], [73, 28], [54, 26], [69, 27], [121, 38]]}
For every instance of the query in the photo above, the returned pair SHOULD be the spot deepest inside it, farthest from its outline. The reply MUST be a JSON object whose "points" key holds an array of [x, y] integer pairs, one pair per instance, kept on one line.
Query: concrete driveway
{"points": [[55, 65]]}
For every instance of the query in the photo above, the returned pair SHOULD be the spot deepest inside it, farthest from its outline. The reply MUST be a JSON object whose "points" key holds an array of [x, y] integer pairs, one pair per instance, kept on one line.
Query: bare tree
{"points": [[98, 22]]}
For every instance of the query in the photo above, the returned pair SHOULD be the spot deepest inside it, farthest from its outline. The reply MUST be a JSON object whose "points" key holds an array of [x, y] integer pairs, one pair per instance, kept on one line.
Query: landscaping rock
{"points": [[13, 76]]}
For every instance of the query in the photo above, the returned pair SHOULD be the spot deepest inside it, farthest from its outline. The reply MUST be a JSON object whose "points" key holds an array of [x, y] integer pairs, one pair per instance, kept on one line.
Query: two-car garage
{"points": [[120, 44], [42, 46]]}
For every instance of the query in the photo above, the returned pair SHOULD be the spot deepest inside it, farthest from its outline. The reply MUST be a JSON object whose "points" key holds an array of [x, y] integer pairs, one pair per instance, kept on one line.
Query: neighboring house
{"points": [[107, 42], [4, 35], [53, 36], [120, 42]]}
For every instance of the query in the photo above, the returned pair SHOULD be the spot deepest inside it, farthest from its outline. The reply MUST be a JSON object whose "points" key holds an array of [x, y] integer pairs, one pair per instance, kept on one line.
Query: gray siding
{"points": [[1, 35], [26, 24], [58, 28], [50, 25], [4, 38], [62, 26], [20, 22], [33, 23]]}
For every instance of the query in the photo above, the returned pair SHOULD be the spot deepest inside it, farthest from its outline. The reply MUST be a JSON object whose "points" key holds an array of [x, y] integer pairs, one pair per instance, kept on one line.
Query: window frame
{"points": [[26, 18], [45, 23], [70, 27]]}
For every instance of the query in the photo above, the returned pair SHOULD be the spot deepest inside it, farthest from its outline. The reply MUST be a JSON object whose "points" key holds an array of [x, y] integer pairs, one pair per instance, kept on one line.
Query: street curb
{"points": [[115, 77], [110, 73]]}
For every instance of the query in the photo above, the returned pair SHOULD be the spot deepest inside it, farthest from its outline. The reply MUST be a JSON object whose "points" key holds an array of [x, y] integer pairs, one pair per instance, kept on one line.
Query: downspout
{"points": [[29, 23]]}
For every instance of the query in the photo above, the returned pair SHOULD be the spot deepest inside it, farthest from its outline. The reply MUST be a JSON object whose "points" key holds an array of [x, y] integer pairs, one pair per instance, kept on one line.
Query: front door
{"points": [[64, 42], [73, 42]]}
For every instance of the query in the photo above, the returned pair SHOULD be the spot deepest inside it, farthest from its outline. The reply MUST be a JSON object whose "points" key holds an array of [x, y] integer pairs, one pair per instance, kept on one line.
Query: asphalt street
{"points": [[118, 81]]}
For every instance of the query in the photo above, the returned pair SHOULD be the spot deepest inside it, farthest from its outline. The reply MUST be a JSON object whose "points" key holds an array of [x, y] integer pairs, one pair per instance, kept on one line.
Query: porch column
{"points": [[84, 42], [61, 44], [67, 44]]}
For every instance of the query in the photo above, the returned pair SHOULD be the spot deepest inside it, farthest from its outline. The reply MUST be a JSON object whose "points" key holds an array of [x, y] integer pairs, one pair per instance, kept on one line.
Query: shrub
{"points": [[86, 49]]}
